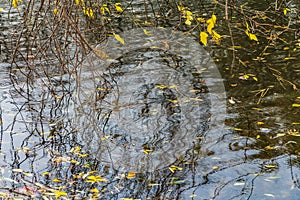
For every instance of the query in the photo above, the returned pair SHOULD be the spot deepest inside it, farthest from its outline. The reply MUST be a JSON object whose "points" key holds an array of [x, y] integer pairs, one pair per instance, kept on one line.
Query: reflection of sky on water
{"points": [[233, 166]]}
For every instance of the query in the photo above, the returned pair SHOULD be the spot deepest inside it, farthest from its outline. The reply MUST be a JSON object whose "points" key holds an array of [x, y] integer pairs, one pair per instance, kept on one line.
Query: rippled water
{"points": [[154, 102], [157, 92]]}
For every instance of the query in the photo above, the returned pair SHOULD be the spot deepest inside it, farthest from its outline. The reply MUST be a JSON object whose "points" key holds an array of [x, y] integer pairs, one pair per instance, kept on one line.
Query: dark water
{"points": [[161, 113]]}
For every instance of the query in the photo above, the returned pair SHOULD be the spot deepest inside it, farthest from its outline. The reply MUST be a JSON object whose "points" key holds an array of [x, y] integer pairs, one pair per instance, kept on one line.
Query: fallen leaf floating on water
{"points": [[121, 40], [104, 9], [75, 150], [129, 199], [95, 190], [77, 2], [179, 182], [59, 194], [88, 11], [95, 179], [270, 166], [147, 151], [56, 180], [118, 7], [131, 175], [55, 11], [160, 86], [147, 33], [173, 168], [285, 11]]}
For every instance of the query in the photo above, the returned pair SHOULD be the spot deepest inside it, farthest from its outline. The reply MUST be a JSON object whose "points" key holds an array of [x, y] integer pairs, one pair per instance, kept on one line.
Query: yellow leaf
{"points": [[45, 173], [28, 174], [188, 22], [56, 180], [200, 19], [95, 190], [83, 155], [203, 38], [55, 11], [180, 8], [247, 27], [147, 33], [216, 35], [1, 9], [15, 3], [173, 168], [105, 137], [270, 166], [88, 11], [104, 9], [75, 150], [95, 179], [173, 101], [212, 20], [286, 10], [252, 36], [260, 123], [269, 147], [59, 193], [131, 175], [255, 78], [160, 86], [238, 129], [147, 151], [118, 7], [121, 40], [189, 15], [210, 27], [296, 105], [211, 23]]}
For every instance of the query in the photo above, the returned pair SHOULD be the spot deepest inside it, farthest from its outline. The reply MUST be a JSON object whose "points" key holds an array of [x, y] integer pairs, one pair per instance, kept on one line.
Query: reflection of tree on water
{"points": [[150, 101], [38, 135]]}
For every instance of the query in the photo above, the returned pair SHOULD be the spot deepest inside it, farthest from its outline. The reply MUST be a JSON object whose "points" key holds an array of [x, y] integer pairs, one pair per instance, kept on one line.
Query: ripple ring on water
{"points": [[143, 104]]}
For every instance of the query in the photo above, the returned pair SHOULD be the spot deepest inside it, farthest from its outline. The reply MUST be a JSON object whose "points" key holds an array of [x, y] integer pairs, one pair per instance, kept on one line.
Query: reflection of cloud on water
{"points": [[171, 61]]}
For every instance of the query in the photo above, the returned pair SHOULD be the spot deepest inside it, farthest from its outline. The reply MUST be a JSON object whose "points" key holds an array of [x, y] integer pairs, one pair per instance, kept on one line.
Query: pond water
{"points": [[158, 117]]}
